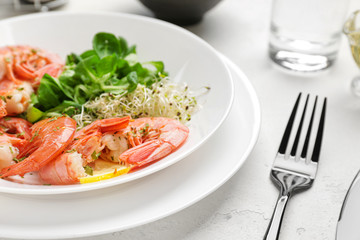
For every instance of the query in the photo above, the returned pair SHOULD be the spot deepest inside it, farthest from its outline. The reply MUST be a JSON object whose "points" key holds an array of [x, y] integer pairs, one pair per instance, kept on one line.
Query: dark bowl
{"points": [[181, 12]]}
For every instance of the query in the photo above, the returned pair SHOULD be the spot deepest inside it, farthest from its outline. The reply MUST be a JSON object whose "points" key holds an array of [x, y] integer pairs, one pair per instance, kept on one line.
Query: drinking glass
{"points": [[352, 31], [305, 34]]}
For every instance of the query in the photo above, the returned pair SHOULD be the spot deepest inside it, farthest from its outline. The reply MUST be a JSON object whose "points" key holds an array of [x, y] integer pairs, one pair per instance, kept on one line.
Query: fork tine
{"points": [[318, 140], [286, 136], [307, 138], [298, 133]]}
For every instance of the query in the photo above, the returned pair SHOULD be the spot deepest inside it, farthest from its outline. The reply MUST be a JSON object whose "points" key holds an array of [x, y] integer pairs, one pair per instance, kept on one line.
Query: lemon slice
{"points": [[105, 170]]}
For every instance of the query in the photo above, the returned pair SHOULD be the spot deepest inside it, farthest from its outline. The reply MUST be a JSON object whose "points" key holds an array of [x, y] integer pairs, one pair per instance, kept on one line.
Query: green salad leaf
{"points": [[106, 44], [50, 93], [111, 66]]}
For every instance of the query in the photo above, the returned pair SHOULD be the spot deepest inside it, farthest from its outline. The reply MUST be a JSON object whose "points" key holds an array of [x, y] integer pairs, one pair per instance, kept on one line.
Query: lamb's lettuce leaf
{"points": [[110, 66]]}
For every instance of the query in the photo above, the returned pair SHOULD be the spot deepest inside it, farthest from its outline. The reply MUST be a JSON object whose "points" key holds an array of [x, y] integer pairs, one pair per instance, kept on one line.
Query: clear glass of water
{"points": [[305, 34]]}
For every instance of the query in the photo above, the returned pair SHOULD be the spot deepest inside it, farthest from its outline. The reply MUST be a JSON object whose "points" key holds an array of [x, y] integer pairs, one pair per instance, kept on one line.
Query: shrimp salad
{"points": [[97, 115]]}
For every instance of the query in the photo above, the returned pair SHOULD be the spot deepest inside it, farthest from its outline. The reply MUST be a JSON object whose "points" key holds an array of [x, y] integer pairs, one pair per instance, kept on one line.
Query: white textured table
{"points": [[241, 208]]}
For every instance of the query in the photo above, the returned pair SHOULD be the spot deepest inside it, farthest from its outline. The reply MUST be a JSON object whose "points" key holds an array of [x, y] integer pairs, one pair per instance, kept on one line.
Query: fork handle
{"points": [[272, 233]]}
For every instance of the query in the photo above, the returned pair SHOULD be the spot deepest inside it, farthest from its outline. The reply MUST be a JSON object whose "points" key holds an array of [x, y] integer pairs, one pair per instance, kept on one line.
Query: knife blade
{"points": [[348, 222]]}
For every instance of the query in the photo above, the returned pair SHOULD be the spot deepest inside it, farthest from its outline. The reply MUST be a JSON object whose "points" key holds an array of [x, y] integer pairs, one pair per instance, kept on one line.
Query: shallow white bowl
{"points": [[187, 58]]}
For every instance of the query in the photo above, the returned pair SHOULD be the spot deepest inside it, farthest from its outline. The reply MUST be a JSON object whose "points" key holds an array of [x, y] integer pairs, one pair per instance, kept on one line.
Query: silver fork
{"points": [[295, 169]]}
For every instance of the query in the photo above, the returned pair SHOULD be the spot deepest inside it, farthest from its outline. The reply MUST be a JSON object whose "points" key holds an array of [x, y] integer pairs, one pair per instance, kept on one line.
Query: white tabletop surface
{"points": [[242, 207]]}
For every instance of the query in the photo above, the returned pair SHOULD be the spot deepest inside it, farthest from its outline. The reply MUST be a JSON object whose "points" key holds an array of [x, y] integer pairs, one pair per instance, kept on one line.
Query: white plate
{"points": [[348, 223], [187, 58], [147, 199]]}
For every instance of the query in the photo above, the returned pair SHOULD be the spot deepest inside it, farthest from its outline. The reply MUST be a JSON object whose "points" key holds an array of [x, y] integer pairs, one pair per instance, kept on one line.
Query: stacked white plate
{"points": [[222, 133]]}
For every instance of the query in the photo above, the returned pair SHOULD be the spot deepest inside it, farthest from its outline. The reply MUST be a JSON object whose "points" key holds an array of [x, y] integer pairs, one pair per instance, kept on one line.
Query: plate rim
{"points": [[69, 189]]}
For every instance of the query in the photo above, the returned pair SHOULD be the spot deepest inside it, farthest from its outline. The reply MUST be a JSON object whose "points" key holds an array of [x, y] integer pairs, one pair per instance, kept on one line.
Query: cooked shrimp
{"points": [[17, 126], [49, 138], [21, 69], [7, 153], [14, 134], [27, 63], [143, 141], [88, 140], [9, 150], [15, 96], [66, 169], [152, 139], [86, 147]]}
